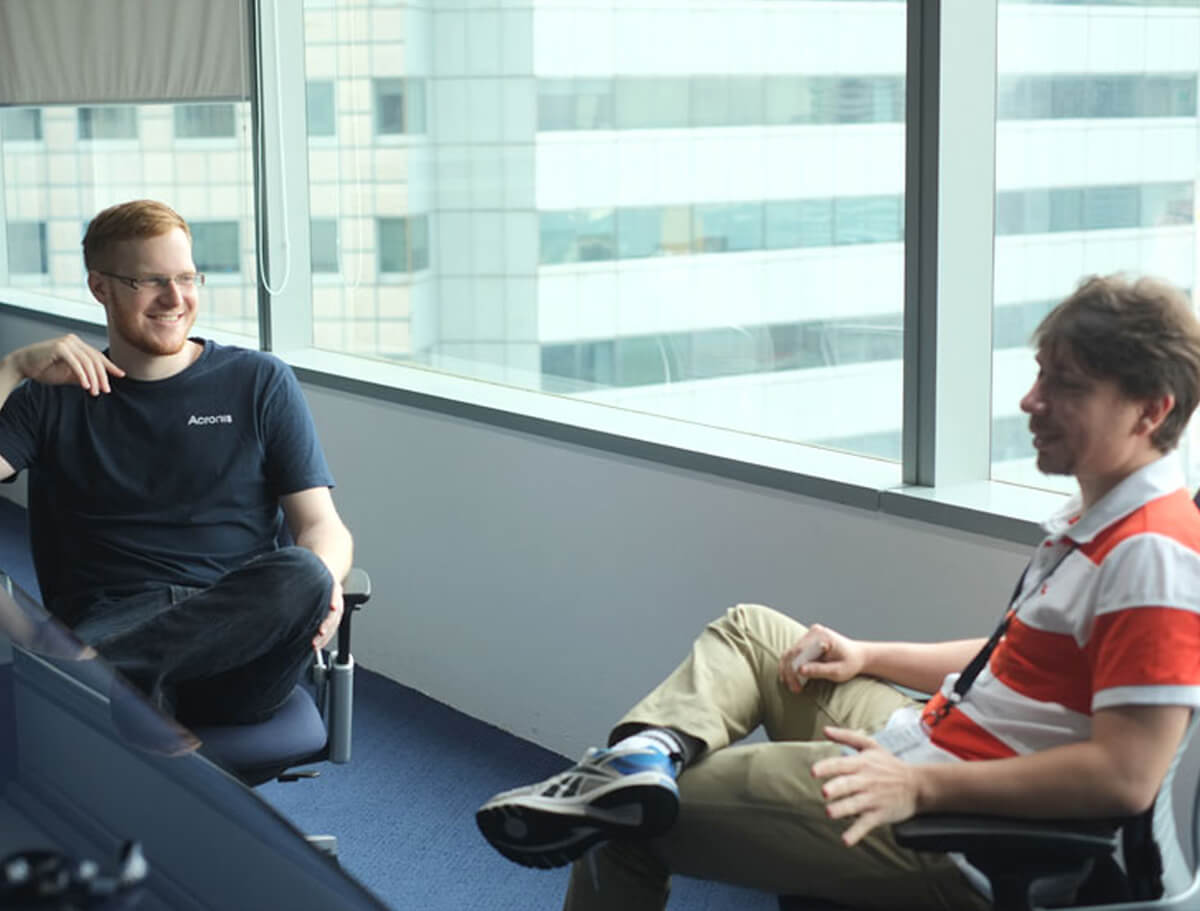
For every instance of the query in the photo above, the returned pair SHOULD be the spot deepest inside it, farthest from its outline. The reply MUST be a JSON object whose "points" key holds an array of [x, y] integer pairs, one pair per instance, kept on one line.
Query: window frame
{"points": [[948, 251]]}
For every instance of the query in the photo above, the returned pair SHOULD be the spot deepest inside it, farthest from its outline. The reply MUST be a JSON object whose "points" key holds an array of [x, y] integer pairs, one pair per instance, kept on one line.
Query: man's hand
{"points": [[872, 785], [65, 360], [329, 625], [839, 658]]}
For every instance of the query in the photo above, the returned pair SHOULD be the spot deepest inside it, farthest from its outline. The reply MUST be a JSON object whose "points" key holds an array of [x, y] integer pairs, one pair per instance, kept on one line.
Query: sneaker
{"points": [[607, 794]]}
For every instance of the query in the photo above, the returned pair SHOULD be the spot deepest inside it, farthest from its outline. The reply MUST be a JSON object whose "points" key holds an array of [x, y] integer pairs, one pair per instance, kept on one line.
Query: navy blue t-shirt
{"points": [[169, 482]]}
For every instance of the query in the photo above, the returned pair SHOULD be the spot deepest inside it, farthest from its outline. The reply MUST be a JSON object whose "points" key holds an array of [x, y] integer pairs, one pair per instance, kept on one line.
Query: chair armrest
{"points": [[356, 588], [356, 591], [1066, 838], [1025, 859]]}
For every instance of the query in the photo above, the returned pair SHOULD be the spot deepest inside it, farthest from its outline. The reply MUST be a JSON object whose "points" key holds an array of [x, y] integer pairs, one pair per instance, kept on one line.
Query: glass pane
{"points": [[652, 103], [20, 123], [319, 104], [27, 253], [650, 228], [728, 227], [215, 247], [115, 122], [393, 245], [1097, 155], [389, 105], [205, 121], [54, 186], [323, 244]]}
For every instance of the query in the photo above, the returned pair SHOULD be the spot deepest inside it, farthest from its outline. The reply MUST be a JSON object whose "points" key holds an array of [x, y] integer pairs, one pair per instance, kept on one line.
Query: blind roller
{"points": [[98, 51]]}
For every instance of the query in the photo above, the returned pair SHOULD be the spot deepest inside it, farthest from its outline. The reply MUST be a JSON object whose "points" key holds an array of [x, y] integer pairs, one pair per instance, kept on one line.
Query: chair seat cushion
{"points": [[293, 734]]}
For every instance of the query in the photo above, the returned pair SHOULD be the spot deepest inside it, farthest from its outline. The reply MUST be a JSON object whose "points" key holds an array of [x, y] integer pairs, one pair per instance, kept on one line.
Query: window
{"points": [[27, 253], [799, 223], [829, 99], [323, 244], [399, 106], [571, 237], [216, 246], [404, 244], [719, 101], [587, 235], [575, 104], [728, 227], [1130, 219], [20, 124], [653, 231], [205, 121], [115, 122], [867, 220], [1098, 95], [418, 242], [319, 103], [60, 184], [727, 351], [1097, 208], [652, 103], [673, 102]]}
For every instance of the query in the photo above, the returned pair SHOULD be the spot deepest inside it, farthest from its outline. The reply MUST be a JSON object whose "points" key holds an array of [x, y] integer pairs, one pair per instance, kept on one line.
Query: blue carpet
{"points": [[403, 810]]}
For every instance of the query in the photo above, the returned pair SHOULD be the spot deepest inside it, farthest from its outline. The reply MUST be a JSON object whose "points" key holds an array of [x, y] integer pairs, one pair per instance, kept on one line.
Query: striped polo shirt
{"points": [[1108, 615]]}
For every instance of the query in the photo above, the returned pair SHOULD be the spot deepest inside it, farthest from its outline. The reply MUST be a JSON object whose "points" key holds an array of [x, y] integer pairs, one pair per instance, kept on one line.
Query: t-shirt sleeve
{"points": [[294, 458], [1144, 647], [21, 427]]}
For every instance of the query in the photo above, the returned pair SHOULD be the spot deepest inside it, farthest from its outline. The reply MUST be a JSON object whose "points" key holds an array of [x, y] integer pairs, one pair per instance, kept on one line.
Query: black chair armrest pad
{"points": [[1009, 837], [356, 588]]}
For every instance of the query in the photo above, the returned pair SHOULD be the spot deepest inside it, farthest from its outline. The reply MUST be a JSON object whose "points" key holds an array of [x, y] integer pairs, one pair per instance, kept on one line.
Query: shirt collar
{"points": [[1160, 477]]}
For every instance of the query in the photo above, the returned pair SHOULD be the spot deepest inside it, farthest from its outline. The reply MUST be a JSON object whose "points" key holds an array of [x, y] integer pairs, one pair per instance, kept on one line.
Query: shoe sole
{"points": [[542, 837]]}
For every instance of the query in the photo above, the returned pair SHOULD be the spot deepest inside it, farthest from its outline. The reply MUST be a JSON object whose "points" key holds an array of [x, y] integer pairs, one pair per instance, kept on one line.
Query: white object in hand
{"points": [[814, 649]]}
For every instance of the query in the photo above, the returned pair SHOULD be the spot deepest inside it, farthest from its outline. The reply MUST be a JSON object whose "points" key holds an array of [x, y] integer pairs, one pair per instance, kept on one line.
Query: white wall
{"points": [[543, 586]]}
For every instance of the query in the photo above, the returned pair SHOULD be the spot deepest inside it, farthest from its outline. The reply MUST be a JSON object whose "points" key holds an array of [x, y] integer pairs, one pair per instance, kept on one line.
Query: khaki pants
{"points": [[753, 814]]}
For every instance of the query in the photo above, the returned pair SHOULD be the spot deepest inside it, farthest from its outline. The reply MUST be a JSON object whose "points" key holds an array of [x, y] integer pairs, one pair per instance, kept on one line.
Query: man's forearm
{"points": [[918, 665], [1115, 773], [1077, 780], [331, 541]]}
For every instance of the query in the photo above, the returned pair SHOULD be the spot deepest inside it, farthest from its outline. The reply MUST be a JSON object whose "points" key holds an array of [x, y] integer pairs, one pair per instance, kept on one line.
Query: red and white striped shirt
{"points": [[1108, 615]]}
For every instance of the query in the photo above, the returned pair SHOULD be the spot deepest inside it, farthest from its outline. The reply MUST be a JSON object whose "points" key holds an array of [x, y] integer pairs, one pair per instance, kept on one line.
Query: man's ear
{"points": [[1154, 412], [98, 286]]}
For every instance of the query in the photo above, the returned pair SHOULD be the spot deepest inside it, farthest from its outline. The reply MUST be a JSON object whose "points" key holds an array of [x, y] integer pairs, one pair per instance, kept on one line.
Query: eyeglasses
{"points": [[184, 281]]}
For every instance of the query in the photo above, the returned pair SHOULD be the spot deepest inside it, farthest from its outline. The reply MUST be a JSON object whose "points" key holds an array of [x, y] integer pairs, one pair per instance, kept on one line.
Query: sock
{"points": [[661, 740]]}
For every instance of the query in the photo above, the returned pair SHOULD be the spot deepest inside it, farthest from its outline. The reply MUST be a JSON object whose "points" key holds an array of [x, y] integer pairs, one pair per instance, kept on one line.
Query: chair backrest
{"points": [[1176, 818]]}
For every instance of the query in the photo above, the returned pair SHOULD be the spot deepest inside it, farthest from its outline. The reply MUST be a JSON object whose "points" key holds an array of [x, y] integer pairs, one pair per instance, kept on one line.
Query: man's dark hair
{"points": [[1141, 334]]}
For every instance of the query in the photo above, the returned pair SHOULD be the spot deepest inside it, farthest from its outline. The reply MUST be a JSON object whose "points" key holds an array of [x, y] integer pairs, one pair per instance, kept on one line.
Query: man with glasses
{"points": [[1073, 708], [162, 474]]}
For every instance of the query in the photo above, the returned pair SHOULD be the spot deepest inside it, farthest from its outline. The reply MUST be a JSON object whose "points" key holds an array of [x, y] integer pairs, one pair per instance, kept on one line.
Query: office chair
{"points": [[1072, 863], [1034, 863], [312, 726]]}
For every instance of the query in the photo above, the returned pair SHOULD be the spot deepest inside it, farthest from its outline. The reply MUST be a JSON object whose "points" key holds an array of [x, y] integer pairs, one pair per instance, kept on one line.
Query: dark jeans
{"points": [[227, 654]]}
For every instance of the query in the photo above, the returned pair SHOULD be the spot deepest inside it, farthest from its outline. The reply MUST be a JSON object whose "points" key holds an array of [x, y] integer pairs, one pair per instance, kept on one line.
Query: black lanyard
{"points": [[976, 665]]}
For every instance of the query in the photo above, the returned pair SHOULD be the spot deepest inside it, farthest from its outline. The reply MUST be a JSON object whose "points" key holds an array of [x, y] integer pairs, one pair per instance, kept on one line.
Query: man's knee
{"points": [[297, 578], [304, 564], [759, 618]]}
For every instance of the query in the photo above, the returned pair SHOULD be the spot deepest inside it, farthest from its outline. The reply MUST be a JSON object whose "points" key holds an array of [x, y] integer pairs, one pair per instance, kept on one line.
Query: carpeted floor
{"points": [[404, 808]]}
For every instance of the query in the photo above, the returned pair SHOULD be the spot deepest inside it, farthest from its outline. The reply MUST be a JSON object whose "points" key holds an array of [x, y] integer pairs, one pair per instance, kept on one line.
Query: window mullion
{"points": [[950, 202], [282, 211]]}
